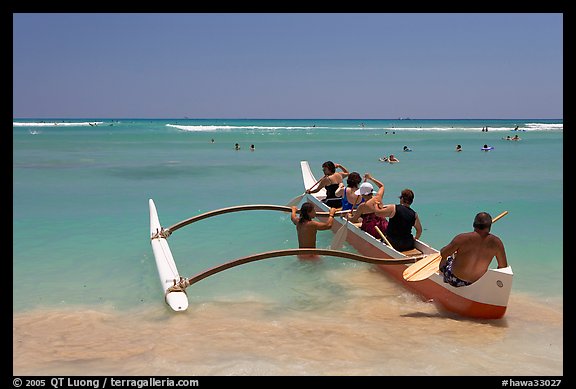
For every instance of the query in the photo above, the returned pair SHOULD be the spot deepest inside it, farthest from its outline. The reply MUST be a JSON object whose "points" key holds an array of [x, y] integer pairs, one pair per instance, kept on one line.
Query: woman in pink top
{"points": [[367, 210]]}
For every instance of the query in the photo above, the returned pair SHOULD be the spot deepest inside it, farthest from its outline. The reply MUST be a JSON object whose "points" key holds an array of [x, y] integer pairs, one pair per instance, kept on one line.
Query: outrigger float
{"points": [[416, 270]]}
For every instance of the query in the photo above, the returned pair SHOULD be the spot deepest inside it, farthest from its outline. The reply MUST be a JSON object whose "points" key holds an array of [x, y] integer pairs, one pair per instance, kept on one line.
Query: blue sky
{"points": [[282, 65]]}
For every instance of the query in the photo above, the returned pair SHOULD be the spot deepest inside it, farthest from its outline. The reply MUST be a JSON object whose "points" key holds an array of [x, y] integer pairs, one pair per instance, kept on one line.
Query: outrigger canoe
{"points": [[487, 298]]}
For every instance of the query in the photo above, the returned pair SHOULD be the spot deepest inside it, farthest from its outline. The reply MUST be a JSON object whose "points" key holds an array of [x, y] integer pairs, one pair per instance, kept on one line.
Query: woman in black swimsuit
{"points": [[331, 181]]}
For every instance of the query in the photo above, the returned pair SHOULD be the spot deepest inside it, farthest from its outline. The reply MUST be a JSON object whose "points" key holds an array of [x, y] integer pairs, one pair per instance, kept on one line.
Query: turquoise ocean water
{"points": [[85, 284]]}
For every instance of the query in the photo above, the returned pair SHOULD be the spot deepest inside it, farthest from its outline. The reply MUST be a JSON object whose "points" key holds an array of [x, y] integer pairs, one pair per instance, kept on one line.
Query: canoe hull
{"points": [[486, 298]]}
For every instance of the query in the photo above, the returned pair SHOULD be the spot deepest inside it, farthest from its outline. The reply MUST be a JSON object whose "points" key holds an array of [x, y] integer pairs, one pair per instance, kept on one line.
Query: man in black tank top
{"points": [[401, 220]]}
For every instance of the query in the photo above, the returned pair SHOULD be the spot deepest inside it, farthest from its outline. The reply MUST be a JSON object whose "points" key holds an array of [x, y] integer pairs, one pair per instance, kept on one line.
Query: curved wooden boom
{"points": [[239, 208], [288, 252]]}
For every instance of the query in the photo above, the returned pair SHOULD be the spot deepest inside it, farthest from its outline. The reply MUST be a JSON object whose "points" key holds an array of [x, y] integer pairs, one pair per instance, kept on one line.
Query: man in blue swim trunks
{"points": [[467, 257]]}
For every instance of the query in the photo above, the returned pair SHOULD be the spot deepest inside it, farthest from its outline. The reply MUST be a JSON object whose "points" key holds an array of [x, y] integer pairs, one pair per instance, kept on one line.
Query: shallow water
{"points": [[87, 298]]}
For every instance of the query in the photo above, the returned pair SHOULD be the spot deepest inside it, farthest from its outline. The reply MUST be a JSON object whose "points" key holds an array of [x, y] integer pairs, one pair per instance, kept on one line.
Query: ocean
{"points": [[86, 293]]}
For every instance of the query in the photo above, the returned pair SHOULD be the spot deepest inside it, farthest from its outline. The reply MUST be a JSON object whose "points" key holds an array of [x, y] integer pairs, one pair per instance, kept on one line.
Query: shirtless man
{"points": [[306, 227], [467, 257]]}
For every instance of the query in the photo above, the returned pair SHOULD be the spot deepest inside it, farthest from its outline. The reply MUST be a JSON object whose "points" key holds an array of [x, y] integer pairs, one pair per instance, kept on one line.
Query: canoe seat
{"points": [[412, 253]]}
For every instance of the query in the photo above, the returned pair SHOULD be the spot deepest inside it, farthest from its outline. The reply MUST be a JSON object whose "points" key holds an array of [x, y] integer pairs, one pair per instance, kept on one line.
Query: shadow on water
{"points": [[442, 314]]}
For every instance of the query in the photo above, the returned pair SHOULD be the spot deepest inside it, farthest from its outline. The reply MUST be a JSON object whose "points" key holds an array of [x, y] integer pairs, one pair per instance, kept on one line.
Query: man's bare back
{"points": [[472, 252]]}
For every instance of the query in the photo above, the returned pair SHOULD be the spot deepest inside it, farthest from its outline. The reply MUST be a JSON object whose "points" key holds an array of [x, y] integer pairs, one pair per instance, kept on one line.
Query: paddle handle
{"points": [[500, 216], [316, 183], [383, 236]]}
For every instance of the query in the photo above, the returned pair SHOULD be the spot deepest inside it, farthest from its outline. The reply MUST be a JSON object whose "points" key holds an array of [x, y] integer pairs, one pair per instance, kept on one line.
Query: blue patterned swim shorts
{"points": [[451, 278]]}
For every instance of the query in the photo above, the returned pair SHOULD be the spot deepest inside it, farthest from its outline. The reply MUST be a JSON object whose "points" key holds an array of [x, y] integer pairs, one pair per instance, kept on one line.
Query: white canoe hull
{"points": [[486, 298], [167, 270]]}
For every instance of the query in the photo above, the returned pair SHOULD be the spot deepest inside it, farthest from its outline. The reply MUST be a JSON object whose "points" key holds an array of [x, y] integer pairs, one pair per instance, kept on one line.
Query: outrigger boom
{"points": [[174, 285]]}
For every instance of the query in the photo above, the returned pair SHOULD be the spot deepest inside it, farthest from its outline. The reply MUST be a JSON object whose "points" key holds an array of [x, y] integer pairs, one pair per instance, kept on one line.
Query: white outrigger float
{"points": [[167, 270], [486, 298]]}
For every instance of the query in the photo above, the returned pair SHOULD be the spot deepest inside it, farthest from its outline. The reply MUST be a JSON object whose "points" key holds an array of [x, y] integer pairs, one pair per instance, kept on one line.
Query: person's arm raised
{"points": [[293, 216], [380, 185], [341, 168]]}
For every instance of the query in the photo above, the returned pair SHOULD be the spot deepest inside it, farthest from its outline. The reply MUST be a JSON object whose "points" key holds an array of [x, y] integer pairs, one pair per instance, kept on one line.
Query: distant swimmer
{"points": [[487, 148], [252, 148], [212, 140], [393, 159], [237, 146], [406, 148], [458, 147]]}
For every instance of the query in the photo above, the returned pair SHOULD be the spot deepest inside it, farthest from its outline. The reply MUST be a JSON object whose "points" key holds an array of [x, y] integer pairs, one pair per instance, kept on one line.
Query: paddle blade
{"points": [[423, 269], [339, 237], [295, 200]]}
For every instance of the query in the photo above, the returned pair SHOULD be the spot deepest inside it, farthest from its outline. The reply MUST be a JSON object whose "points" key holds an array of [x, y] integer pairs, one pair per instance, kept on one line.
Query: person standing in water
{"points": [[307, 227]]}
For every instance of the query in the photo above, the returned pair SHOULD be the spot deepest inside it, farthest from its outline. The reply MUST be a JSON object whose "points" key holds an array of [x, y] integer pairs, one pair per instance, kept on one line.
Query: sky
{"points": [[288, 65]]}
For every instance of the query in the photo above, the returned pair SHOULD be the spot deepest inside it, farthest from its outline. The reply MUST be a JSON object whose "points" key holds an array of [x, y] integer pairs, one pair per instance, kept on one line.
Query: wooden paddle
{"points": [[429, 265], [296, 200], [340, 236], [383, 236]]}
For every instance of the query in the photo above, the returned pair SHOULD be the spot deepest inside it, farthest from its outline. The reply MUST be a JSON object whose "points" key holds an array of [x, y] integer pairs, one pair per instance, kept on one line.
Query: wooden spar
{"points": [[289, 252], [239, 208]]}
